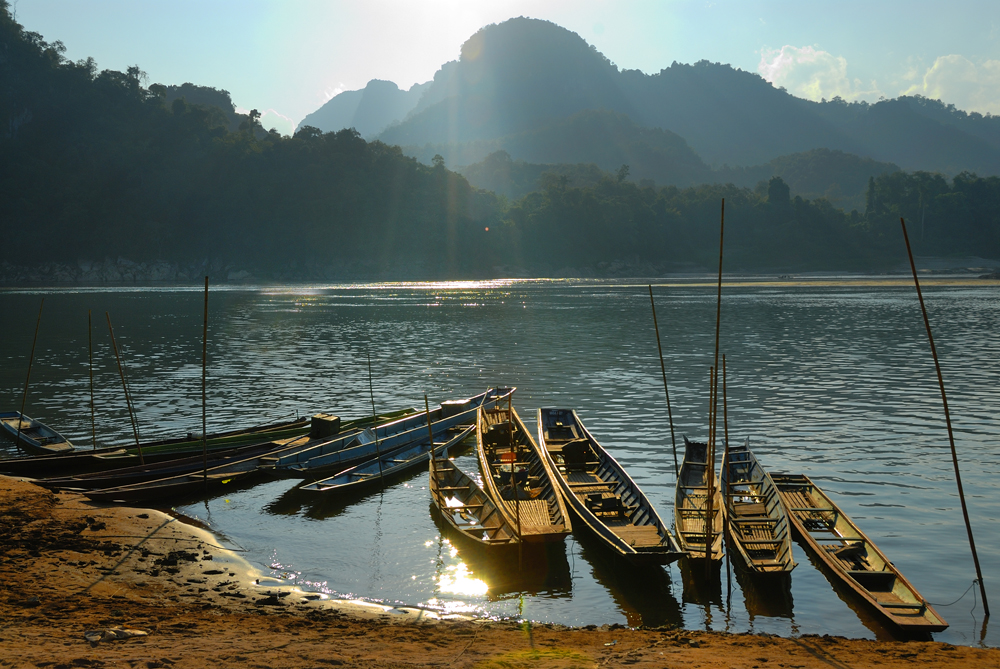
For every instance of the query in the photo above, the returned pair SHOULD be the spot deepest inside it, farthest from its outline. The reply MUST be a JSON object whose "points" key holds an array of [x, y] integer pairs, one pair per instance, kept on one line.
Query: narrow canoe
{"points": [[529, 497], [163, 451], [394, 464], [600, 492], [466, 507], [237, 468], [322, 459], [150, 472], [758, 525], [103, 459], [830, 535], [31, 435], [240, 467], [691, 504]]}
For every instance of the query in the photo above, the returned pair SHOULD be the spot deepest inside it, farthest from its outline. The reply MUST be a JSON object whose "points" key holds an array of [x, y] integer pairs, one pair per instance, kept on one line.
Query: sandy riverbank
{"points": [[69, 567]]}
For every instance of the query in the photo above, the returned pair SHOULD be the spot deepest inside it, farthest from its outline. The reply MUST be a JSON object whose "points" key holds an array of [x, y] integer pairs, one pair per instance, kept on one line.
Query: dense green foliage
{"points": [[95, 165], [516, 178], [842, 178]]}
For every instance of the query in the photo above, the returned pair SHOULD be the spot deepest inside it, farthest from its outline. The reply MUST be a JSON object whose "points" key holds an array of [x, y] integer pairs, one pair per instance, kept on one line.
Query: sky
{"points": [[287, 58]]}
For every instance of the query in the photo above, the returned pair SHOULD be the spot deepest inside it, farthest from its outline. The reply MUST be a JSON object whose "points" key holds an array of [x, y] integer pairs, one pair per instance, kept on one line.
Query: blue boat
{"points": [[394, 464], [333, 457], [31, 435]]}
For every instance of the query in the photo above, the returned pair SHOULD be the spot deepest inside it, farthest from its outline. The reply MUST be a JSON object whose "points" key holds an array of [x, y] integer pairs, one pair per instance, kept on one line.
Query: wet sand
{"points": [[69, 567]]}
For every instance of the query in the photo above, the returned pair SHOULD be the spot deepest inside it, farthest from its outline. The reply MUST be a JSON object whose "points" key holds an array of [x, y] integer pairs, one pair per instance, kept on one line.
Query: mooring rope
{"points": [[974, 582]]}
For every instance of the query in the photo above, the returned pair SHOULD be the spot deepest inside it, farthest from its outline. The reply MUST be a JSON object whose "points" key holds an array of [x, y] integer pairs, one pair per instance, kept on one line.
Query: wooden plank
{"points": [[639, 535]]}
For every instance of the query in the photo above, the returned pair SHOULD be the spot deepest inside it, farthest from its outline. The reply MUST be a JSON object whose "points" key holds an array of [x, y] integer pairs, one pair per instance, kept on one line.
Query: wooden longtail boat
{"points": [[236, 468], [115, 457], [151, 472], [31, 435], [230, 470], [691, 501], [393, 464], [601, 494], [321, 459], [528, 497], [466, 507], [758, 525], [830, 535]]}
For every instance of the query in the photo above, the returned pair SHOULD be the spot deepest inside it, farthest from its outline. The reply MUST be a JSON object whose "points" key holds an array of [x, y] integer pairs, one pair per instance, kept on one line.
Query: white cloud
{"points": [[272, 119], [957, 80], [813, 74]]}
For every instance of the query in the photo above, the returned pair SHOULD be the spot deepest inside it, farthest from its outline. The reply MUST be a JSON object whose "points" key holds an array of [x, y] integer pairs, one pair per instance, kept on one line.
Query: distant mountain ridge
{"points": [[524, 75], [369, 110]]}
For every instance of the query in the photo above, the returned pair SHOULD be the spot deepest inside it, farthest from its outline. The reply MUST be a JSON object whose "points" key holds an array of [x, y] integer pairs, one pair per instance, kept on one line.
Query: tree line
{"points": [[97, 165]]}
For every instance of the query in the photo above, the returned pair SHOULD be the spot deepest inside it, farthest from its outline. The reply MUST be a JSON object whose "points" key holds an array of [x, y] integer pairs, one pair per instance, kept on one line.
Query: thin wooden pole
{"points": [[371, 393], [727, 494], [90, 351], [204, 388], [663, 370], [715, 366], [31, 360], [709, 471], [513, 482], [430, 434], [947, 420], [128, 401]]}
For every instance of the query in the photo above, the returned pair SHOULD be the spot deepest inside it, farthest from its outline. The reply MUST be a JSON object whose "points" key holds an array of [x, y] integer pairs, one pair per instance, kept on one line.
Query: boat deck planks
{"points": [[602, 495], [758, 523], [853, 558]]}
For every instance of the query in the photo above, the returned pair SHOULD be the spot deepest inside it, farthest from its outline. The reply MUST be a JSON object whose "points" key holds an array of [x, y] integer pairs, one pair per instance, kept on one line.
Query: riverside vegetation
{"points": [[96, 165]]}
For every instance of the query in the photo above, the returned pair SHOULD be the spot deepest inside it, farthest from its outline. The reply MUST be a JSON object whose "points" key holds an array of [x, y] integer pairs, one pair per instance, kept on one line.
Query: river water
{"points": [[834, 381]]}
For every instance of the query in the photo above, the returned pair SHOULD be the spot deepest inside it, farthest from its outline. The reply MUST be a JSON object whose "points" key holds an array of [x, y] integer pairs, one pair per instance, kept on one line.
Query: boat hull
{"points": [[852, 558], [691, 502], [537, 509], [757, 524], [31, 435], [602, 496]]}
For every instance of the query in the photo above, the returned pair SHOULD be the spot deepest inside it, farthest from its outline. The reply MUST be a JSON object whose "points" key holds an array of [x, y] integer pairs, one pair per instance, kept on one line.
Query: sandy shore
{"points": [[71, 570]]}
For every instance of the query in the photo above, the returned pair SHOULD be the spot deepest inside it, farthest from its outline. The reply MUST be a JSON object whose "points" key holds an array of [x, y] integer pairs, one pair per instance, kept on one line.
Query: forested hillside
{"points": [[96, 165], [525, 75]]}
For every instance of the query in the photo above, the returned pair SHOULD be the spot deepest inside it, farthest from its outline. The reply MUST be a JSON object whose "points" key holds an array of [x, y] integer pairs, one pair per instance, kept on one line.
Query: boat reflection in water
{"points": [[643, 593], [765, 595], [701, 590], [493, 573]]}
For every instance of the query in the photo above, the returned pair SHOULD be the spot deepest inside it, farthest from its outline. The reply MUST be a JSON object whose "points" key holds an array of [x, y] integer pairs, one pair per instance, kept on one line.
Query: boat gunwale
{"points": [[593, 523], [908, 625], [490, 488]]}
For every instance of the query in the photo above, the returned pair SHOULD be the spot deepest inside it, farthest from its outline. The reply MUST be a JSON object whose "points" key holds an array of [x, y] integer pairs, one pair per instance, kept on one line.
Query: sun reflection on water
{"points": [[458, 580]]}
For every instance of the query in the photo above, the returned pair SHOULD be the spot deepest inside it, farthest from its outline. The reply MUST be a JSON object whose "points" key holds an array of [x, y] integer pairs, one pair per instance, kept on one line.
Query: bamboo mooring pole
{"points": [[90, 352], [663, 370], [430, 433], [31, 360], [709, 473], [947, 420], [371, 393], [204, 389], [128, 400], [715, 383], [513, 481], [727, 494]]}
